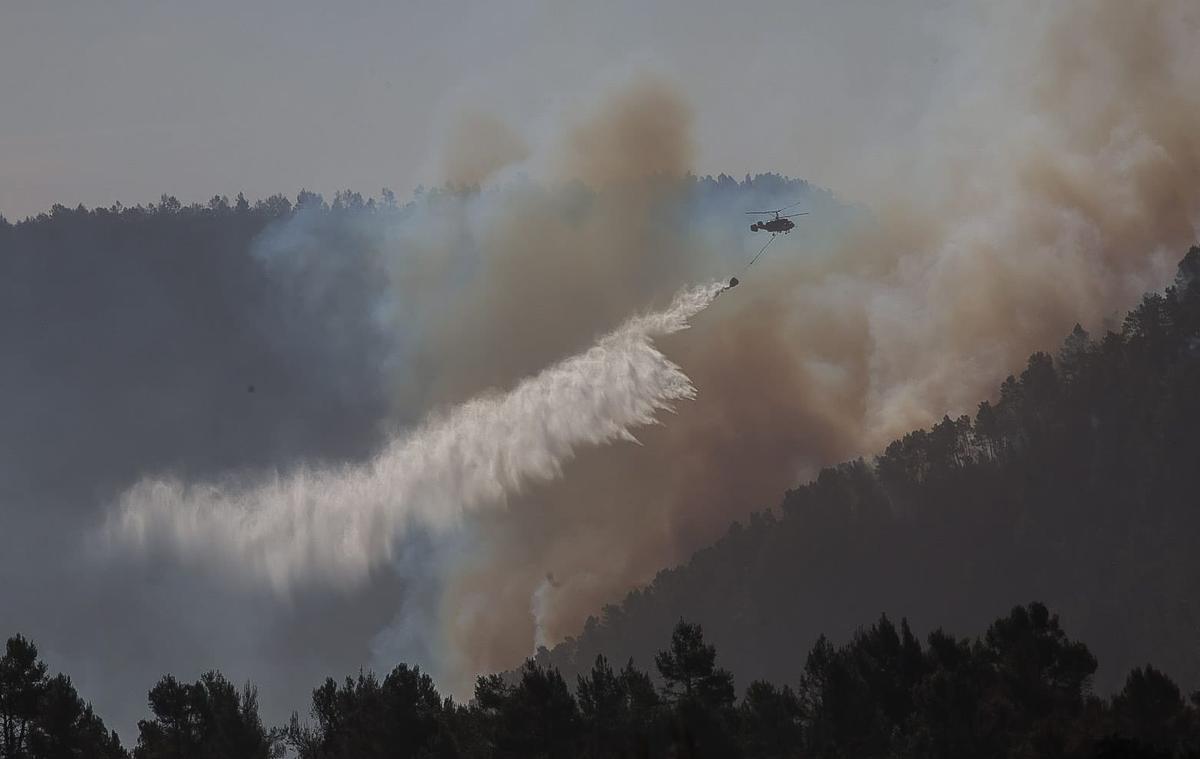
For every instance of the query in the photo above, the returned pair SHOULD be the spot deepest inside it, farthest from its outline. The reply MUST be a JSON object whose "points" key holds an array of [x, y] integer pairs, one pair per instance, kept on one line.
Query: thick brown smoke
{"points": [[478, 146], [643, 132], [563, 265], [1054, 187]]}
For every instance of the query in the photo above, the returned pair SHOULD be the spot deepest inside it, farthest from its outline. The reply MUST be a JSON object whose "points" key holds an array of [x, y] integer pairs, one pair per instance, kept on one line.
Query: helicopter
{"points": [[779, 224]]}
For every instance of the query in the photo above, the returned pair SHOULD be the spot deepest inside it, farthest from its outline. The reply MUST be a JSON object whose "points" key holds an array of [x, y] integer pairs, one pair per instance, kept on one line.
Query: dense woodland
{"points": [[1021, 689], [1077, 485]]}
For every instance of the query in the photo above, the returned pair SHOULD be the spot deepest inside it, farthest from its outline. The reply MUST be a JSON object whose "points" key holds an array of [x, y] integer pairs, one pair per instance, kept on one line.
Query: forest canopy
{"points": [[1077, 484], [1022, 688]]}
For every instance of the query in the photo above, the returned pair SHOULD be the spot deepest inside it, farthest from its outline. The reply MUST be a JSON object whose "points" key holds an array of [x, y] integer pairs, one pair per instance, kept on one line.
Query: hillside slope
{"points": [[1079, 486]]}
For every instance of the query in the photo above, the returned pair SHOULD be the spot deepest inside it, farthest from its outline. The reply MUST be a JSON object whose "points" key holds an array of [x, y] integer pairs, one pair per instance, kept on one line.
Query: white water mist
{"points": [[336, 524]]}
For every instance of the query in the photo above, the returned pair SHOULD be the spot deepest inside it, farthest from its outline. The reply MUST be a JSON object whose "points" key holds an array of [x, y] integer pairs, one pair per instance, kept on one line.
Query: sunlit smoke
{"points": [[539, 607], [1054, 179], [478, 146]]}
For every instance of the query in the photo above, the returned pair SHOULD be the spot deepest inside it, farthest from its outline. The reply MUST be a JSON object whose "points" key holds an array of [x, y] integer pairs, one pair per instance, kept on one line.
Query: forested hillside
{"points": [[1021, 689], [1078, 485]]}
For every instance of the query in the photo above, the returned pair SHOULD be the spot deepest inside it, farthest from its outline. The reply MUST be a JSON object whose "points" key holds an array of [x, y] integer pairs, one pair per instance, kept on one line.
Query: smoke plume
{"points": [[478, 146], [1057, 179], [1053, 179]]}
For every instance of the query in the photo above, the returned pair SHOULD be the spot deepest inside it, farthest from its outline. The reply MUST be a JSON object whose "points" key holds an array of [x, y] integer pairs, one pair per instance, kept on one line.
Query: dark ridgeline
{"points": [[1022, 689], [1080, 485], [122, 324]]}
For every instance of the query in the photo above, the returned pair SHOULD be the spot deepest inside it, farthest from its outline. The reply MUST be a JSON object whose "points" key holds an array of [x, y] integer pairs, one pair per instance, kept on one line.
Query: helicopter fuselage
{"points": [[776, 226]]}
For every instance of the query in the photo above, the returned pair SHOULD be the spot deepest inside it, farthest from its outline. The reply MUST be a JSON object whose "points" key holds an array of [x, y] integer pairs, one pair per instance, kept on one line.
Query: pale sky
{"points": [[124, 101]]}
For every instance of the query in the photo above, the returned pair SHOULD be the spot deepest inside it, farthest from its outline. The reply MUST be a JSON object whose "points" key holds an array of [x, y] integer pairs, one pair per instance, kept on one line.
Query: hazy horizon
{"points": [[126, 102]]}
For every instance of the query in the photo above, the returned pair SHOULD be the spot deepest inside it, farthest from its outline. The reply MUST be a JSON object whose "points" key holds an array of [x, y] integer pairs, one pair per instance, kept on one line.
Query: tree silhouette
{"points": [[208, 718], [689, 670], [44, 717], [770, 722], [702, 694], [402, 716], [1020, 689], [68, 728], [22, 682], [1150, 710]]}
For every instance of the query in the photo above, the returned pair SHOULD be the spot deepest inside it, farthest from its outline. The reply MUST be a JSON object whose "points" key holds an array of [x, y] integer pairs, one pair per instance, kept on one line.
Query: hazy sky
{"points": [[123, 101], [1022, 175]]}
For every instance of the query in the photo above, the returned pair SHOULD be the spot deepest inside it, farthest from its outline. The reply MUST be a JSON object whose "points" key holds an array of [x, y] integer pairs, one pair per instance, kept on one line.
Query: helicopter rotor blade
{"points": [[792, 216], [779, 210], [761, 212]]}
